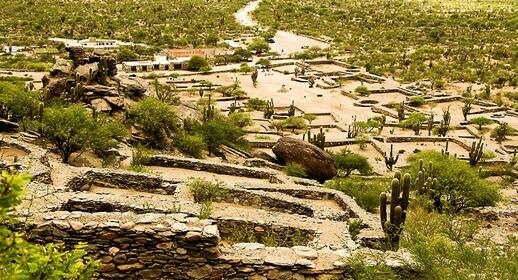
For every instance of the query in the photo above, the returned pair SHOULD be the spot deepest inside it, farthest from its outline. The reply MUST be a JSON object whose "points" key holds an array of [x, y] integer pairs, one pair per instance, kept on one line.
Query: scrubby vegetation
{"points": [[365, 192], [30, 22], [436, 40], [458, 184]]}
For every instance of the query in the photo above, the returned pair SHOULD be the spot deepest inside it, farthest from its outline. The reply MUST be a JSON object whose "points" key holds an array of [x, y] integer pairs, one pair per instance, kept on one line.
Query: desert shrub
{"points": [[155, 118], [240, 119], [192, 145], [205, 210], [417, 101], [446, 247], [256, 104], [21, 259], [363, 91], [234, 90], [204, 190], [364, 192], [108, 134], [501, 132], [295, 170], [458, 183], [347, 162]]}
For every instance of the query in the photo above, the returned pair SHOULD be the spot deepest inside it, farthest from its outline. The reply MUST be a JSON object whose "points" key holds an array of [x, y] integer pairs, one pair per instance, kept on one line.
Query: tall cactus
{"points": [[475, 153], [41, 107], [401, 111], [445, 151], [208, 111], [103, 70], [446, 116], [233, 107], [399, 200], [291, 110], [269, 110], [430, 123], [353, 129], [77, 92], [318, 140], [390, 161]]}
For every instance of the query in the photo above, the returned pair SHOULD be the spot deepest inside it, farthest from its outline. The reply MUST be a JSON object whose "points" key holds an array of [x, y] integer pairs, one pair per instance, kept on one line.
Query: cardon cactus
{"points": [[233, 107], [446, 116], [425, 181], [269, 109], [399, 200], [475, 154], [353, 129], [208, 111], [430, 123], [318, 140], [445, 151], [390, 161], [401, 111], [291, 110]]}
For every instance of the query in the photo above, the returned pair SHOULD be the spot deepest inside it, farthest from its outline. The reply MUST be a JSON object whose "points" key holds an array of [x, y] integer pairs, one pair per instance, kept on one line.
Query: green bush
{"points": [[221, 132], [240, 119], [459, 183], [295, 170], [481, 121], [363, 91], [206, 191], [364, 192], [417, 101], [155, 118], [347, 162], [192, 145], [196, 63], [23, 260], [256, 104], [17, 104], [73, 129]]}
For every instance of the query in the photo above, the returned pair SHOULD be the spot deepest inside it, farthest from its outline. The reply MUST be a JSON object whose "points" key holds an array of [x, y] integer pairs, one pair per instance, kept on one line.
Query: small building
{"points": [[208, 53], [233, 44], [160, 63], [12, 49], [94, 43]]}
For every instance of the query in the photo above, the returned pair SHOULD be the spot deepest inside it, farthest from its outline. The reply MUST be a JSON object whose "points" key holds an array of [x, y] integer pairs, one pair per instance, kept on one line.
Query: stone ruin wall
{"points": [[174, 250]]}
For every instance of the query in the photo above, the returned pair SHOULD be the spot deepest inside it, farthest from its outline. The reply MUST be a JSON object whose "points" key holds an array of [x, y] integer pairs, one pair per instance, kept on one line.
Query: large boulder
{"points": [[318, 164], [88, 71]]}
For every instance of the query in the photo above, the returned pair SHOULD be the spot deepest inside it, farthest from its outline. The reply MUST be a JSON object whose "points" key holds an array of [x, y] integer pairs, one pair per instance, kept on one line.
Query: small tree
{"points": [[240, 119], [259, 45], [219, 132], [414, 121], [245, 68], [310, 118], [294, 123], [156, 119], [196, 63], [348, 162], [73, 129], [481, 121], [20, 259]]}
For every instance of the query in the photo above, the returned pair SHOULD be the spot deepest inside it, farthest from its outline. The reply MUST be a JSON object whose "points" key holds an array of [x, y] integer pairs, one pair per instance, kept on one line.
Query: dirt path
{"points": [[285, 42]]}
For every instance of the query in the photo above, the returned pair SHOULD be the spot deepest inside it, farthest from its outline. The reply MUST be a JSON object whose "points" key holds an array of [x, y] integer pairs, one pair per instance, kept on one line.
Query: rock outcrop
{"points": [[317, 163], [89, 77]]}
